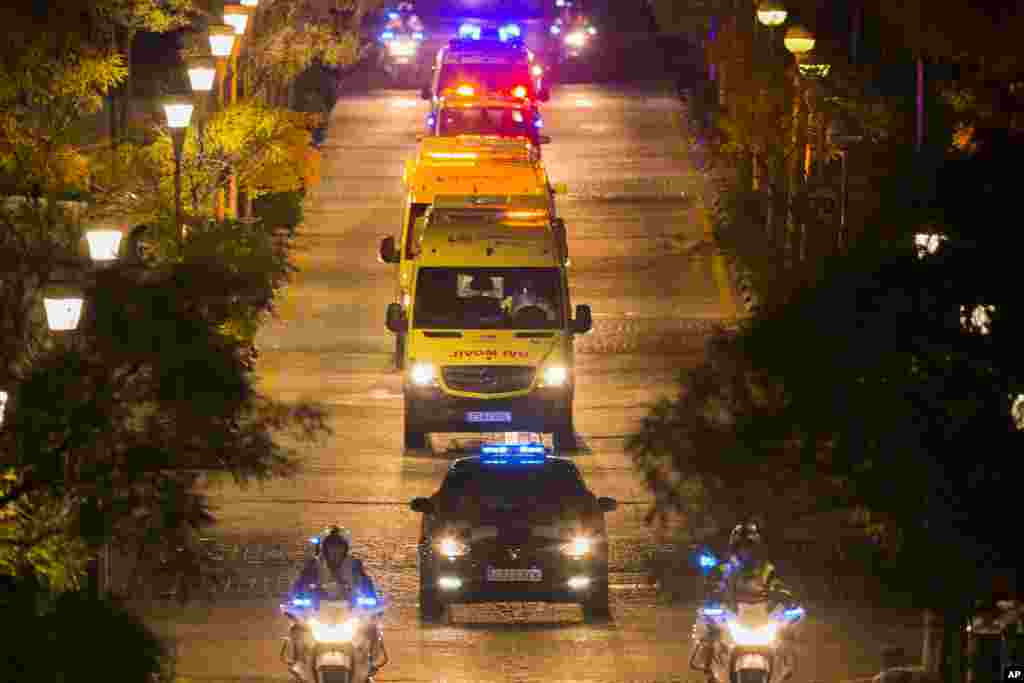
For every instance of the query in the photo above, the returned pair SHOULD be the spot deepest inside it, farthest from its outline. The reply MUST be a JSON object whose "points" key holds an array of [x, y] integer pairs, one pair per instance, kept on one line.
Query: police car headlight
{"points": [[422, 374], [576, 39], [333, 633], [555, 376], [579, 546], [452, 547]]}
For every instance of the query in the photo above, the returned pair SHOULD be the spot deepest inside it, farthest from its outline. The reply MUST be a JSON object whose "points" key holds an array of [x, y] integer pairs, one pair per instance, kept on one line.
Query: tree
{"points": [[866, 395]]}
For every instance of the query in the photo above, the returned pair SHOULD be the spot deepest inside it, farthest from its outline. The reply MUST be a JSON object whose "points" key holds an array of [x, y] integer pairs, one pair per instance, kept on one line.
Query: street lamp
{"points": [[3, 405], [798, 40], [250, 3], [104, 244], [771, 13], [179, 114], [63, 304], [222, 39], [237, 16], [202, 71]]}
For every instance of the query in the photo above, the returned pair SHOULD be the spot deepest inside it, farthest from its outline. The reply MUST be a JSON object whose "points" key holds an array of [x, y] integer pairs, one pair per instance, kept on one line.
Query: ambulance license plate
{"points": [[489, 416]]}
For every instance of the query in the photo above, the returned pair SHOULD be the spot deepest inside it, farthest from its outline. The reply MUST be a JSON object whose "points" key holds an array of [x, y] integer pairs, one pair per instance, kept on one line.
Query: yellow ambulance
{"points": [[489, 331], [466, 165]]}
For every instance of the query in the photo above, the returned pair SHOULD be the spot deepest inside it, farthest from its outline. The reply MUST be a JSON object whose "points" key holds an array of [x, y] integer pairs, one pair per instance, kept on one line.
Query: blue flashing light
{"points": [[387, 35], [793, 613], [392, 15], [364, 601], [509, 31], [512, 454], [559, 3], [314, 540], [430, 121], [469, 31], [417, 35], [707, 560], [539, 123], [302, 602], [555, 30], [712, 611]]}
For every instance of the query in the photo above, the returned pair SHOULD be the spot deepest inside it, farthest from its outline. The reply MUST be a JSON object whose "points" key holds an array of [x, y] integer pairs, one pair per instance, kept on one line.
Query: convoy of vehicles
{"points": [[513, 524]]}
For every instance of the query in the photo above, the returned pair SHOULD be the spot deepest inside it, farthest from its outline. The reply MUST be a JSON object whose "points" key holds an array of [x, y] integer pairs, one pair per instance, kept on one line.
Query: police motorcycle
{"points": [[748, 638], [338, 637], [401, 39]]}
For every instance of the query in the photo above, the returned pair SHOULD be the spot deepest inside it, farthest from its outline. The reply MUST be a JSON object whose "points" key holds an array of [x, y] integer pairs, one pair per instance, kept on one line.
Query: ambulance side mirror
{"points": [[561, 236], [545, 139], [388, 252], [396, 321], [561, 188], [607, 504], [545, 94], [584, 320], [425, 92]]}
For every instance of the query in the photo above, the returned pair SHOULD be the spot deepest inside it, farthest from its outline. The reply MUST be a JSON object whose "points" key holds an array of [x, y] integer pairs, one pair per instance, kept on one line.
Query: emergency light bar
{"points": [[707, 560], [509, 31], [452, 155], [793, 613], [302, 602], [712, 611], [471, 31], [417, 35], [364, 601], [512, 454], [387, 35], [314, 540]]}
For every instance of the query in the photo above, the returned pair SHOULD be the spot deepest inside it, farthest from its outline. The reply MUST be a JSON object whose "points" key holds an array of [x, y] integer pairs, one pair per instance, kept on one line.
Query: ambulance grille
{"points": [[488, 379]]}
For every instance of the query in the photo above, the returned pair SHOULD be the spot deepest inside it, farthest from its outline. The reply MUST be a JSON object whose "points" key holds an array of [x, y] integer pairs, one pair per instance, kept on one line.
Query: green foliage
{"points": [[280, 210], [97, 640], [861, 396]]}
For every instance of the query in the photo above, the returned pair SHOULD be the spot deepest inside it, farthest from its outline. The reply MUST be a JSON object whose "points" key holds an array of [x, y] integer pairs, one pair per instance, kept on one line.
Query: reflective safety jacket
{"points": [[736, 579]]}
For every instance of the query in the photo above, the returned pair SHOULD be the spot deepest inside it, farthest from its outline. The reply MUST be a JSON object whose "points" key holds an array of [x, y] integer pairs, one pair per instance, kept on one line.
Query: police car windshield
{"points": [[485, 78], [501, 121], [488, 298]]}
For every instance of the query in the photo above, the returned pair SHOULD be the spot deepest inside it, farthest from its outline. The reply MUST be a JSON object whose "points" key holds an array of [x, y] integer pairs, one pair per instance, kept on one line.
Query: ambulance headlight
{"points": [[555, 29], [555, 376], [576, 39], [422, 374], [450, 547]]}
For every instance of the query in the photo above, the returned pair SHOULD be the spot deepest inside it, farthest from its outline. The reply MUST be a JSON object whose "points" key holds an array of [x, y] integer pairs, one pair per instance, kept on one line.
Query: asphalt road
{"points": [[640, 258]]}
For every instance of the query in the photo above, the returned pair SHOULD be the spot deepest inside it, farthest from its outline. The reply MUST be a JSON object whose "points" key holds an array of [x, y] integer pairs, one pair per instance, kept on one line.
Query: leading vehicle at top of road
{"points": [[493, 67]]}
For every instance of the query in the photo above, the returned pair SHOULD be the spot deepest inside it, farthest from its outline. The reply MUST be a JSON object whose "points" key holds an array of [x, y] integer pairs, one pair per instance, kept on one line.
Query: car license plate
{"points": [[492, 416], [497, 574]]}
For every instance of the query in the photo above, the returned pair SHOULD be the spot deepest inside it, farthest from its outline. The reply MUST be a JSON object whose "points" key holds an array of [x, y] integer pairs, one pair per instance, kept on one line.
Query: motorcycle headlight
{"points": [[402, 48], [745, 635], [450, 546], [333, 633], [422, 374], [576, 39], [578, 547], [555, 376]]}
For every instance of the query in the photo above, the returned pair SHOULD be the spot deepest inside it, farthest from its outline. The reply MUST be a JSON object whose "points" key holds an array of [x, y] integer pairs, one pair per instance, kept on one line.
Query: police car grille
{"points": [[488, 379]]}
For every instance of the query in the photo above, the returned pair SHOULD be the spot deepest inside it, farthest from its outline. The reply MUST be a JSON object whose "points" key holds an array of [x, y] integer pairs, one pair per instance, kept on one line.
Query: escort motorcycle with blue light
{"points": [[513, 524], [337, 638], [748, 641]]}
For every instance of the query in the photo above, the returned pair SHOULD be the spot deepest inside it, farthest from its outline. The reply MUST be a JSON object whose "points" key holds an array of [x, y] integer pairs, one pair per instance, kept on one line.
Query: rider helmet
{"points": [[745, 536], [331, 542]]}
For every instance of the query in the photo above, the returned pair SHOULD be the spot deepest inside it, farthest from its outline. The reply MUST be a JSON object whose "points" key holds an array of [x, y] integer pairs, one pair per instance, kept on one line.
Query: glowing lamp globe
{"points": [[250, 3], [799, 40], [63, 304], [3, 406], [104, 244], [201, 73], [237, 16], [178, 111], [222, 39], [771, 13]]}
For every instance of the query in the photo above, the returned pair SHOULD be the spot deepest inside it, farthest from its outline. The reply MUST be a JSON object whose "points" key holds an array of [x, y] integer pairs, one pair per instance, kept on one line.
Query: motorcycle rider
{"points": [[405, 19], [336, 575], [745, 576]]}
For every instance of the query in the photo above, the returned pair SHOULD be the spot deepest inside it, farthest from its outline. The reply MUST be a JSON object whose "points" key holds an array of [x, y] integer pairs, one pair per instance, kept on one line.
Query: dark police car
{"points": [[513, 524]]}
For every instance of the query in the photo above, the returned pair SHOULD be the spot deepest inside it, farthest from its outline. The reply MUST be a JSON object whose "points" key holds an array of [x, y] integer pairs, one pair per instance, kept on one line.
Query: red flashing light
{"points": [[519, 91]]}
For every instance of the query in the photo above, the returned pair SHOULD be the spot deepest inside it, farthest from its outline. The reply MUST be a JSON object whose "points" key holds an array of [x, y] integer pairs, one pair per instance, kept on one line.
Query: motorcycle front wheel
{"points": [[750, 676], [334, 675]]}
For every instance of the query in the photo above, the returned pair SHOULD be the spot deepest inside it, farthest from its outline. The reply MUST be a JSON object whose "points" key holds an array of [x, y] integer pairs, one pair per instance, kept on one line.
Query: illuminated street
{"points": [[639, 258]]}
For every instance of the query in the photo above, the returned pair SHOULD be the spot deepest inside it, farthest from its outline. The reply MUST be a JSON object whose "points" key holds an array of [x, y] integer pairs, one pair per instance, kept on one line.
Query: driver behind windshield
{"points": [[504, 122], [513, 298]]}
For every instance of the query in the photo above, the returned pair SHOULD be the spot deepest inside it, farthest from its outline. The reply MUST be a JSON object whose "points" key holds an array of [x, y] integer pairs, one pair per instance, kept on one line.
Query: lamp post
{"points": [[237, 16], [772, 14], [222, 43], [842, 137], [799, 41], [178, 110]]}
